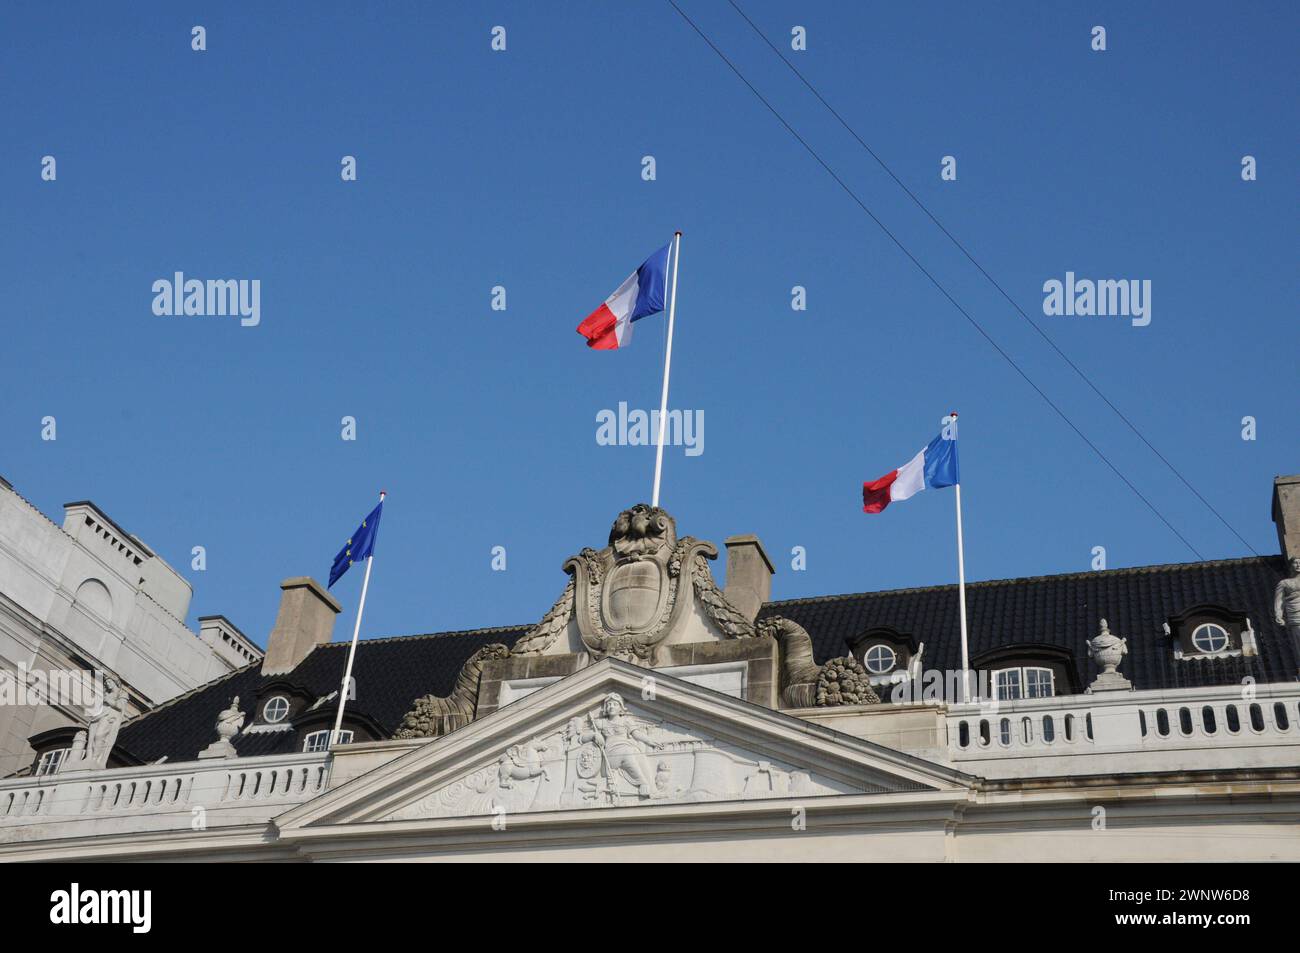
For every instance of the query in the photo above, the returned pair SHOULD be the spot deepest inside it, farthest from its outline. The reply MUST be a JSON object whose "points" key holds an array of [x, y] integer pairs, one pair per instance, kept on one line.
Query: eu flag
{"points": [[360, 546]]}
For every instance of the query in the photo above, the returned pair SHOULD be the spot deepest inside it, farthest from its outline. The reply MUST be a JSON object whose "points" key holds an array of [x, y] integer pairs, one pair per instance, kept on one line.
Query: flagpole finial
{"points": [[952, 413], [678, 234]]}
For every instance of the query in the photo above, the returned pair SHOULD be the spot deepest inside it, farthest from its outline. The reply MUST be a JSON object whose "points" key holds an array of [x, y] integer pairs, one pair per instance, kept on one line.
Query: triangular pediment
{"points": [[618, 736]]}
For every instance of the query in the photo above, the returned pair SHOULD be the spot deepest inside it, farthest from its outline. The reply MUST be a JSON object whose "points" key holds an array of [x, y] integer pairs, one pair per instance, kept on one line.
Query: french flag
{"points": [[644, 292], [934, 467]]}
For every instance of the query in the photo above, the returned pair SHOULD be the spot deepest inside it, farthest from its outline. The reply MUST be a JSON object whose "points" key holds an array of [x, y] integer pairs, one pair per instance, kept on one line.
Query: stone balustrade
{"points": [[1095, 736], [1224, 728], [160, 796]]}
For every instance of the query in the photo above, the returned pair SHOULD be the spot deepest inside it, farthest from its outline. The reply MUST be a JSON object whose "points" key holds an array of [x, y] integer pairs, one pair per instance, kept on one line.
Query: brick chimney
{"points": [[1286, 513], [749, 575], [306, 620]]}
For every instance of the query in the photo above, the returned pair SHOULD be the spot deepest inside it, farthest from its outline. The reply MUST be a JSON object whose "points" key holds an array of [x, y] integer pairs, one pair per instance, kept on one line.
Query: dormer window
{"points": [[1026, 670], [886, 653], [1207, 631], [1029, 681], [879, 659], [49, 762], [275, 710], [320, 740]]}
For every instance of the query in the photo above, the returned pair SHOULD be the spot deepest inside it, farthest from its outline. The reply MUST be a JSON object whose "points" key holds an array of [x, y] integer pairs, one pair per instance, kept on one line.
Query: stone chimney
{"points": [[749, 575], [306, 620], [1286, 513]]}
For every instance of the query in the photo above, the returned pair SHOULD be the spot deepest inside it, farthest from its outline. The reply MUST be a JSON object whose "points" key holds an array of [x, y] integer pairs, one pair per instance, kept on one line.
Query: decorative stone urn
{"points": [[229, 722], [1107, 651]]}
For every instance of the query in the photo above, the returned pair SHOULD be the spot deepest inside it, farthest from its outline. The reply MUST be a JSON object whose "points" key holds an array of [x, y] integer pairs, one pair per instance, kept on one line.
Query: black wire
{"points": [[903, 248], [969, 257]]}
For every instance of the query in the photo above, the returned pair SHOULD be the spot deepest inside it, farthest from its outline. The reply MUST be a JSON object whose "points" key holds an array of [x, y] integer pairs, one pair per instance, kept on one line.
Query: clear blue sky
{"points": [[523, 169]]}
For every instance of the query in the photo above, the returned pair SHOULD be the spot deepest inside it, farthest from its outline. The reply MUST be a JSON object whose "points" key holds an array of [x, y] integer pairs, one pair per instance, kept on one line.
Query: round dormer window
{"points": [[879, 659], [1208, 637], [275, 710]]}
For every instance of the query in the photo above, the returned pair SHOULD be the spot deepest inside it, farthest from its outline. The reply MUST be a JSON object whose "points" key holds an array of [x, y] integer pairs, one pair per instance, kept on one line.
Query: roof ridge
{"points": [[1126, 570], [431, 635]]}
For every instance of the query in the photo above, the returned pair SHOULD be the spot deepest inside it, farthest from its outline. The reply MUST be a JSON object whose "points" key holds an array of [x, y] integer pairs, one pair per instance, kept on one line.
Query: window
{"points": [[1038, 683], [49, 761], [275, 710], [1208, 637], [1029, 682], [879, 659], [320, 740]]}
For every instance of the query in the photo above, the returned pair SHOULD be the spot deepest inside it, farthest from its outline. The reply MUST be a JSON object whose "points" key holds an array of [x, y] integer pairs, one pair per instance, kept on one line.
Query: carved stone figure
{"points": [[521, 762], [105, 723], [1107, 652], [229, 723], [1286, 604], [433, 715], [622, 740], [628, 597], [612, 756], [841, 681]]}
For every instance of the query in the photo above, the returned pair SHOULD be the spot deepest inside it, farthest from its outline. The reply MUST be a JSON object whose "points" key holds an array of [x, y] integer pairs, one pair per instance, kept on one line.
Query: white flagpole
{"points": [[668, 361], [352, 650], [961, 590]]}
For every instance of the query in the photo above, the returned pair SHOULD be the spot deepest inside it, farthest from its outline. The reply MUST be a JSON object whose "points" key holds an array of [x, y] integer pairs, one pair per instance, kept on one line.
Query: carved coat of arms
{"points": [[628, 597]]}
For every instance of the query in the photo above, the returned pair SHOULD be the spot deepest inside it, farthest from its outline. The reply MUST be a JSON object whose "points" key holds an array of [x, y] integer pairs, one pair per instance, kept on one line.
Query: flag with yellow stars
{"points": [[359, 546]]}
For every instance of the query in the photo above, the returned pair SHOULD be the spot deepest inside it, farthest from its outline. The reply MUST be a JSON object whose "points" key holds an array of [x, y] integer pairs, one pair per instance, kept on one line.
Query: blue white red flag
{"points": [[934, 467], [643, 293]]}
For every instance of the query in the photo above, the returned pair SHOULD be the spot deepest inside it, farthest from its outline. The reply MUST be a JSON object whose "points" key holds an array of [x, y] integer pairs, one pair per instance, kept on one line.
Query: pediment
{"points": [[615, 736]]}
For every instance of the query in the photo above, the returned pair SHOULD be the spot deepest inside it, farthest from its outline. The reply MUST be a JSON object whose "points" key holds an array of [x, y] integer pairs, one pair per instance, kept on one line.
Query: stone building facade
{"points": [[652, 714], [88, 610]]}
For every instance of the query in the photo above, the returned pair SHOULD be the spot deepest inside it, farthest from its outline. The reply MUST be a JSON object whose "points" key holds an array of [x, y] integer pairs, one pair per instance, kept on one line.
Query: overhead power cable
{"points": [[934, 281]]}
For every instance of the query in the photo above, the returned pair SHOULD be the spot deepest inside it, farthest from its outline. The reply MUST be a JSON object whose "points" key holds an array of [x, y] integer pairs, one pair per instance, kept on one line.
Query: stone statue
{"points": [[1286, 604], [434, 715], [1107, 651], [804, 683], [105, 723], [229, 723], [628, 597]]}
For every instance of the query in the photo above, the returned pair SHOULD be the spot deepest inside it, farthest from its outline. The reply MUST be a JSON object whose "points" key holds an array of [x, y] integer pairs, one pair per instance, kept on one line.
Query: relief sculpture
{"points": [[613, 757]]}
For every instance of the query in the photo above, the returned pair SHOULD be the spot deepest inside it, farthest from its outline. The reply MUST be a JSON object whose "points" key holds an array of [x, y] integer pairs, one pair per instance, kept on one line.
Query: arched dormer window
{"points": [[1030, 670], [1023, 681], [884, 652], [314, 727], [278, 705], [1210, 631], [320, 740]]}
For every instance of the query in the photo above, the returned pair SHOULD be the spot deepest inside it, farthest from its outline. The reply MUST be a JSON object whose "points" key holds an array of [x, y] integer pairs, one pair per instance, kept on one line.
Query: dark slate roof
{"points": [[1064, 611], [1060, 611], [389, 673]]}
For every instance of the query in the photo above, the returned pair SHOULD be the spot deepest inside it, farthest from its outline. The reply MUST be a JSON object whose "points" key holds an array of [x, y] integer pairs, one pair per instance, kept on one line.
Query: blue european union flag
{"points": [[360, 546]]}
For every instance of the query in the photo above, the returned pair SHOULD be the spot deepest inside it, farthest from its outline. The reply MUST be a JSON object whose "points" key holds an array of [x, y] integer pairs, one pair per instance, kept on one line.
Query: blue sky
{"points": [[523, 169]]}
